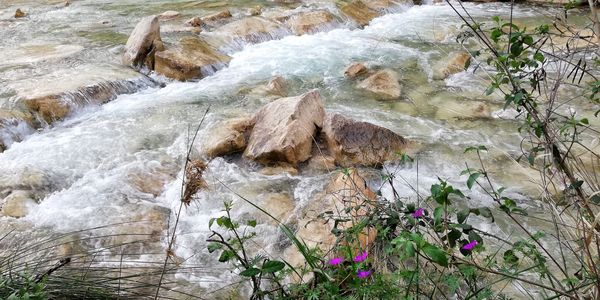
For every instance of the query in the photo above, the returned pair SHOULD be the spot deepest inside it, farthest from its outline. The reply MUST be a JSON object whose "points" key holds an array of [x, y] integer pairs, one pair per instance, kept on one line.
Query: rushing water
{"points": [[82, 167]]}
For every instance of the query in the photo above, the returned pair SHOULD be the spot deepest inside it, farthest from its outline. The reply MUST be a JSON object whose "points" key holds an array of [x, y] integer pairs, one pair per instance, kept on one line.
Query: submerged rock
{"points": [[276, 86], [284, 129], [144, 38], [18, 204], [169, 15], [192, 58], [358, 11], [454, 63], [355, 70], [279, 169], [255, 11], [229, 136], [252, 29], [310, 22], [194, 22], [356, 143], [383, 83]]}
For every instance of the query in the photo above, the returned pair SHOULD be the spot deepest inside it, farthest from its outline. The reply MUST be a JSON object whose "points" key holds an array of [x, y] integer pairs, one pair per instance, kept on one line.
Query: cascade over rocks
{"points": [[454, 63], [385, 84], [252, 29], [310, 22], [192, 58], [144, 38], [17, 204], [285, 128], [356, 143]]}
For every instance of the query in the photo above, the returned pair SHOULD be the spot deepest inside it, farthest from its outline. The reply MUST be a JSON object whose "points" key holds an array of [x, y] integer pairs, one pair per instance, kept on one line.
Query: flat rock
{"points": [[53, 96], [385, 84], [356, 143], [284, 129], [169, 15], [310, 22], [229, 136], [192, 58], [141, 42], [33, 53], [455, 62]]}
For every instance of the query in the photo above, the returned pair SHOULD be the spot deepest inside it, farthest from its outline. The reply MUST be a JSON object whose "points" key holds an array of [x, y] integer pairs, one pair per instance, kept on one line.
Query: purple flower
{"points": [[418, 213], [363, 274], [361, 257], [336, 261], [470, 245]]}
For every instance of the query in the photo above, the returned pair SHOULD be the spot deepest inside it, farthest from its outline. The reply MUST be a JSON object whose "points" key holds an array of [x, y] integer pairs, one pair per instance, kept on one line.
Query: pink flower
{"points": [[418, 213], [361, 257], [363, 274], [336, 261], [470, 245]]}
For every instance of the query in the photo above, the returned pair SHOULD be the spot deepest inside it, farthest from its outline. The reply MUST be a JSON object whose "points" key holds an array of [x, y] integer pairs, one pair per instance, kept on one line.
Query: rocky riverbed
{"points": [[99, 100]]}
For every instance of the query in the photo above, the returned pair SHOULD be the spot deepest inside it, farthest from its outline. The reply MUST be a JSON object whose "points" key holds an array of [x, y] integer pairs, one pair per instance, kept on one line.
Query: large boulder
{"points": [[358, 11], [284, 129], [192, 58], [385, 84], [252, 29], [227, 137], [142, 41], [356, 143], [455, 62], [310, 22]]}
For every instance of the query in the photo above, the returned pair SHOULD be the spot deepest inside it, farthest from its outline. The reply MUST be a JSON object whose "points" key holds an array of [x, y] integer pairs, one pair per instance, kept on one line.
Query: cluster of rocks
{"points": [[200, 55], [291, 131]]}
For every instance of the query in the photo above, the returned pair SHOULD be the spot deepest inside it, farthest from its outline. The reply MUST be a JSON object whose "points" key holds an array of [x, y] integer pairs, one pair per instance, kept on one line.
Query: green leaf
{"points": [[472, 179], [436, 255], [212, 247], [250, 272], [251, 223], [226, 256], [272, 266], [539, 57], [462, 215]]}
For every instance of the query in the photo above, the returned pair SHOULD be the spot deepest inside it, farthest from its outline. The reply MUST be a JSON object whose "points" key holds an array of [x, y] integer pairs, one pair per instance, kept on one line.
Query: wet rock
{"points": [[322, 163], [152, 179], [279, 205], [455, 63], [285, 128], [384, 6], [356, 143], [224, 14], [358, 11], [349, 199], [19, 13], [355, 70], [277, 86], [279, 169], [14, 124], [310, 22], [192, 58], [384, 84], [252, 29], [54, 96], [32, 53], [194, 22], [255, 11], [463, 110], [229, 136], [18, 204], [169, 15], [142, 41]]}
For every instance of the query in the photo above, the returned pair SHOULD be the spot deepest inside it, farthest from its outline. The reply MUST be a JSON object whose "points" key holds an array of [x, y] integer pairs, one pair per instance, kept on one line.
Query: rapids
{"points": [[81, 168]]}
